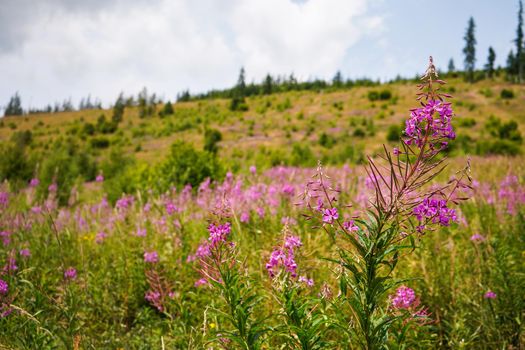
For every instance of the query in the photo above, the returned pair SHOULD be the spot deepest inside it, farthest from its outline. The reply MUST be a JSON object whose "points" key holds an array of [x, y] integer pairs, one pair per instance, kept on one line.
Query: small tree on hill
{"points": [[489, 67], [470, 50], [118, 109], [14, 107]]}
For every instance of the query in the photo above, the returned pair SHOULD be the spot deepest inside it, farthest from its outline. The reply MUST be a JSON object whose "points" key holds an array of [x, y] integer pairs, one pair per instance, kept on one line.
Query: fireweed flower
{"points": [[330, 215], [4, 287], [151, 257], [284, 257], [34, 182], [245, 217], [435, 210], [219, 233], [99, 178], [477, 238], [308, 281], [26, 253], [404, 298], [253, 170], [100, 237], [490, 295], [53, 187], [70, 273], [350, 226]]}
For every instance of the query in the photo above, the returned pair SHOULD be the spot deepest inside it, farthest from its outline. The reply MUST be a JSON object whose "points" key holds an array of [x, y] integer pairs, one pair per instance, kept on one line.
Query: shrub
{"points": [[394, 133], [507, 94], [358, 132], [211, 138], [99, 142], [327, 141], [186, 165], [382, 95]]}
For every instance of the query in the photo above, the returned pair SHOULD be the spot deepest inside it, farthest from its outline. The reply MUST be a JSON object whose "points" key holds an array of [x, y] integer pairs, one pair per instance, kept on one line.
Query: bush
{"points": [[211, 138], [498, 147], [506, 94], [186, 165], [99, 142], [238, 104], [89, 129], [15, 164], [382, 95], [394, 133], [302, 155], [327, 141], [168, 109], [359, 133]]}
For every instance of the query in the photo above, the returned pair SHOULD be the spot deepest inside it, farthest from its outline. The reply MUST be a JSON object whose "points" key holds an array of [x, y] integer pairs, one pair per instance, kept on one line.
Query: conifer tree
{"points": [[489, 67], [14, 107], [470, 50]]}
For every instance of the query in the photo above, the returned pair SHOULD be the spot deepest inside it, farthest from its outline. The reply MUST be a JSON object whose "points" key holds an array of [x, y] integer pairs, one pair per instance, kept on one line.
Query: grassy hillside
{"points": [[265, 134]]}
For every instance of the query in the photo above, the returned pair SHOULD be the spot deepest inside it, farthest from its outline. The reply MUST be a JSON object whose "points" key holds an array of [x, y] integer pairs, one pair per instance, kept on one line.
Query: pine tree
{"points": [[470, 50], [337, 81], [520, 59], [239, 92], [451, 66], [14, 107], [118, 109], [267, 85], [489, 67]]}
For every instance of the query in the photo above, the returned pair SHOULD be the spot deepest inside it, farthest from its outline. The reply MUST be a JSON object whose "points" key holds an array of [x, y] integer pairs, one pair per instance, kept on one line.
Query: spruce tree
{"points": [[451, 66], [470, 50], [267, 85], [519, 58], [14, 107], [337, 81], [489, 67]]}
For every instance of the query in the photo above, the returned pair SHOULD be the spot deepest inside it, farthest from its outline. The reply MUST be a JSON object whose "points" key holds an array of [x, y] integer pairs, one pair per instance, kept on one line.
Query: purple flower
{"points": [[100, 237], [396, 151], [4, 287], [141, 232], [350, 226], [25, 253], [432, 122], [201, 282], [329, 215], [490, 295], [292, 242], [151, 257], [34, 182], [219, 233], [245, 217], [53, 187], [253, 170], [435, 210], [404, 298], [99, 178], [477, 238], [70, 273], [308, 281]]}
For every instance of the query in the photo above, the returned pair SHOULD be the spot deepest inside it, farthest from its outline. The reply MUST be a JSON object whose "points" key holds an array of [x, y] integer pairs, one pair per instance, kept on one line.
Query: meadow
{"points": [[205, 228]]}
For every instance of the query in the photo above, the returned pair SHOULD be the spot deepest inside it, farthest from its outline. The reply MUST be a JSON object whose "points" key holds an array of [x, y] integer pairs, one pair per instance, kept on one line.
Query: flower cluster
{"points": [[70, 273], [151, 257], [490, 295], [435, 210], [433, 121], [219, 233], [285, 257], [404, 298]]}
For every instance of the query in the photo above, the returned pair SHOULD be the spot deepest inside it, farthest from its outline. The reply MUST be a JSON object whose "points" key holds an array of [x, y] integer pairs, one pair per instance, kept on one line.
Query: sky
{"points": [[51, 50]]}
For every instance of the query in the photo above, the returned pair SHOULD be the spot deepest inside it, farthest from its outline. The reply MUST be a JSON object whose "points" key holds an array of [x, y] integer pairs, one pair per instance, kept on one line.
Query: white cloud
{"points": [[172, 45]]}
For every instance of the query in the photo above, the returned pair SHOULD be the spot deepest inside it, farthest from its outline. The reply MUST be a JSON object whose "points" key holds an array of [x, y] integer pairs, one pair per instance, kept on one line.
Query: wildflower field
{"points": [[407, 234]]}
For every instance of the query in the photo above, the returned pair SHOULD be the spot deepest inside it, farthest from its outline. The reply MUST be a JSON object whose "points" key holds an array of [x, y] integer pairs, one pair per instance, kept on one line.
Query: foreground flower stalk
{"points": [[404, 207]]}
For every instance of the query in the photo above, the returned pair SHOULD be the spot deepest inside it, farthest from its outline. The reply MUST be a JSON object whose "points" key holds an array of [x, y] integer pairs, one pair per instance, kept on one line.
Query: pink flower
{"points": [[141, 232], [25, 253], [151, 257], [99, 238], [477, 238], [4, 287], [99, 178], [253, 170], [308, 281], [404, 298], [350, 226], [34, 182], [396, 151], [490, 295], [245, 217], [70, 273], [329, 215], [201, 282]]}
